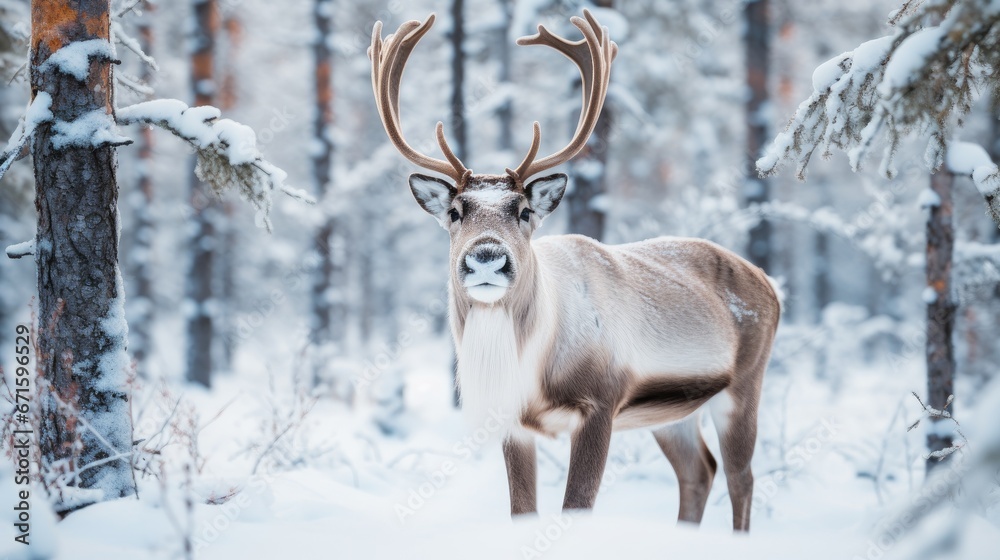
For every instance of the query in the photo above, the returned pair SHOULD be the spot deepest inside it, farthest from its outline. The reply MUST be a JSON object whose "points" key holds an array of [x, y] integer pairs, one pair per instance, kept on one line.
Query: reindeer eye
{"points": [[526, 214], [454, 215]]}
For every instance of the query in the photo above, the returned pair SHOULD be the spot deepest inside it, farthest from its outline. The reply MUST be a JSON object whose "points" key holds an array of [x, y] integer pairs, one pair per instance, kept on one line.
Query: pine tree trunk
{"points": [[505, 113], [589, 172], [200, 288], [940, 308], [458, 125], [143, 300], [82, 333], [757, 39], [230, 253], [327, 322]]}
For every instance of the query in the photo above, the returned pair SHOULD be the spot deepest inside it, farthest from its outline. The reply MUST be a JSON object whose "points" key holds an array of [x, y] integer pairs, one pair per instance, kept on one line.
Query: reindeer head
{"points": [[491, 218]]}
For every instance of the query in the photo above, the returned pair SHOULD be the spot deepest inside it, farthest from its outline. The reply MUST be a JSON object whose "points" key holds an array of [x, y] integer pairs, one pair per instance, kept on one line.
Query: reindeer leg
{"points": [[737, 437], [588, 457], [684, 447], [519, 455]]}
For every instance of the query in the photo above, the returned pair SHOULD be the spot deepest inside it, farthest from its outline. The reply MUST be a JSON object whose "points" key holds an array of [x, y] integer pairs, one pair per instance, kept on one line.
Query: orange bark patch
{"points": [[53, 20]]}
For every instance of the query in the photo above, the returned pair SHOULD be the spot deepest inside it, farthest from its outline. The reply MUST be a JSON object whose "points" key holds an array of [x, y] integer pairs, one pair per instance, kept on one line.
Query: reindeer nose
{"points": [[486, 259]]}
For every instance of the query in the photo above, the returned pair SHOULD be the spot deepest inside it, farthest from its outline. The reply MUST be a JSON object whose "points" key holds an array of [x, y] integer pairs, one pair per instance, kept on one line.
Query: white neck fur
{"points": [[488, 370]]}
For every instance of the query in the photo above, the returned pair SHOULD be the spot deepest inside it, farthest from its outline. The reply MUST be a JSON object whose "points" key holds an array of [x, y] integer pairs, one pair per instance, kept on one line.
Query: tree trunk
{"points": [[143, 301], [940, 309], [230, 253], [757, 39], [327, 322], [200, 322], [505, 112], [458, 125], [589, 172], [82, 334]]}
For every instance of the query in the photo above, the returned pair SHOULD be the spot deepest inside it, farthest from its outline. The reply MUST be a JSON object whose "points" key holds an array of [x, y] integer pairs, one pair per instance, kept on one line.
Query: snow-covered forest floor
{"points": [[833, 463]]}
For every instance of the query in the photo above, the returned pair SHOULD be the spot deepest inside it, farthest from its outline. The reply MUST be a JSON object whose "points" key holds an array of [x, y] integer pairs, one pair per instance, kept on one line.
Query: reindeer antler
{"points": [[593, 56], [388, 60]]}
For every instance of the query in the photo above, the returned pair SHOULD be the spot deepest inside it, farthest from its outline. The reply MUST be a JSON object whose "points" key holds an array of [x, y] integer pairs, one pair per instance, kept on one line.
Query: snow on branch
{"points": [[971, 160], [932, 413], [74, 59], [21, 250], [227, 151], [39, 111], [918, 81]]}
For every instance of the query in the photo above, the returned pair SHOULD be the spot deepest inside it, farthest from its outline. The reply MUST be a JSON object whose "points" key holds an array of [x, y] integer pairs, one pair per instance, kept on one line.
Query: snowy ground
{"points": [[354, 493]]}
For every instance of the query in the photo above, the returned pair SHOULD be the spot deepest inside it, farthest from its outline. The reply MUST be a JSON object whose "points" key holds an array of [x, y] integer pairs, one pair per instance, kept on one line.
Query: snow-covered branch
{"points": [[227, 151], [38, 112], [971, 160], [919, 80]]}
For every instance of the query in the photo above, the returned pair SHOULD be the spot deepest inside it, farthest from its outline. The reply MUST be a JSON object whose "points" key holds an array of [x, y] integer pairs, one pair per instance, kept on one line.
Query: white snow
{"points": [[909, 58], [829, 72], [488, 196], [93, 129], [928, 199], [739, 308], [227, 151], [929, 296], [20, 250], [38, 111], [74, 58], [963, 158]]}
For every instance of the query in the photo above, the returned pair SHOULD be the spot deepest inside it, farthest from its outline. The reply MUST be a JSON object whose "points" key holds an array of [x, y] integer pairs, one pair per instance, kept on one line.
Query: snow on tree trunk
{"points": [[86, 422], [757, 39], [939, 348], [200, 304], [142, 303]]}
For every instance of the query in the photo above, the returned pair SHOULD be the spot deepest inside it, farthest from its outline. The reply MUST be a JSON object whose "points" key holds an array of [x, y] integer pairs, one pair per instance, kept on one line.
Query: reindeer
{"points": [[564, 333]]}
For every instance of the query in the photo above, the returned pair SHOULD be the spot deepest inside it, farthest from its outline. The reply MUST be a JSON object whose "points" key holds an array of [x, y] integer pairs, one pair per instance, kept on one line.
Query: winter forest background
{"points": [[292, 391]]}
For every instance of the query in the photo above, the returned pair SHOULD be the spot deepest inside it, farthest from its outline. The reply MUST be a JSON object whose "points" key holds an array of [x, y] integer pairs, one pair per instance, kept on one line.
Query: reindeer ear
{"points": [[544, 194], [434, 195]]}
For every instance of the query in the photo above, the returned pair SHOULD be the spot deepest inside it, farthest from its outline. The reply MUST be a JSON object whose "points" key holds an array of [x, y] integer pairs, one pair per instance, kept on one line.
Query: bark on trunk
{"points": [[200, 324], [589, 173], [940, 350], [756, 190], [144, 307], [82, 334]]}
